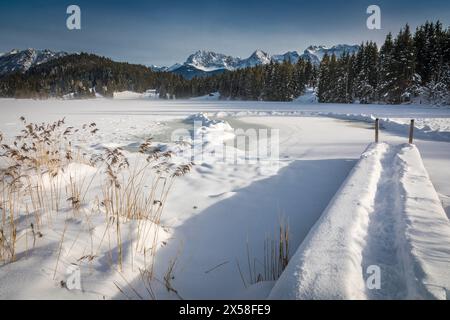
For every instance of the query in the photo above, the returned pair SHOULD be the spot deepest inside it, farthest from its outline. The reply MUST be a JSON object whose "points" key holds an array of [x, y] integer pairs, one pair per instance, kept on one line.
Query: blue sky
{"points": [[163, 32]]}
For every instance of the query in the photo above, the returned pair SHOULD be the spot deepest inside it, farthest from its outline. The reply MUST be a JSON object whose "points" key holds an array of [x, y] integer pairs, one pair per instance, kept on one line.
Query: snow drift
{"points": [[386, 214], [434, 127], [425, 128]]}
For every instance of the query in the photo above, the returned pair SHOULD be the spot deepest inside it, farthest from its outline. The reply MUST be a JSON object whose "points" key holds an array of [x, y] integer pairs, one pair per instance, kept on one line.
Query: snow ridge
{"points": [[209, 61], [425, 128], [387, 214]]}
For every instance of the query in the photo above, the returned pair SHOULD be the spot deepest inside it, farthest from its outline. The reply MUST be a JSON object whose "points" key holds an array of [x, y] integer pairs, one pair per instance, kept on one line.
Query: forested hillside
{"points": [[412, 66], [83, 75], [407, 66]]}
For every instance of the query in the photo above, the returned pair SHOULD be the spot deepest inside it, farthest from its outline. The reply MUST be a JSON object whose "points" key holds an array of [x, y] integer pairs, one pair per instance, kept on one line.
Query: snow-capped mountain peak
{"points": [[257, 58], [315, 54], [314, 48], [259, 54], [291, 56], [210, 61], [174, 67], [13, 51], [22, 60], [204, 61]]}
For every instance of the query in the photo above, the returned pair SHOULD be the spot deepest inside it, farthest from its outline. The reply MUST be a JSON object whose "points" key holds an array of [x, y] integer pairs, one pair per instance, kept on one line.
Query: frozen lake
{"points": [[220, 207]]}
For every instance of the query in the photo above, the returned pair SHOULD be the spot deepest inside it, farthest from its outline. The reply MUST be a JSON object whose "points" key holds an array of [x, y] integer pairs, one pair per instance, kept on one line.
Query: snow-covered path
{"points": [[381, 246], [376, 220]]}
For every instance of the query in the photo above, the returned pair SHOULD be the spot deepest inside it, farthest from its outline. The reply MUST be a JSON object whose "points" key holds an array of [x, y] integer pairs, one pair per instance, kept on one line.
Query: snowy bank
{"points": [[387, 214], [130, 95], [425, 128], [215, 96], [431, 128]]}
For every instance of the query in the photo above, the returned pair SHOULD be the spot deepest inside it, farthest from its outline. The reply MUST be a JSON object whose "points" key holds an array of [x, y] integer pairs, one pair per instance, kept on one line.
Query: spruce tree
{"points": [[387, 75]]}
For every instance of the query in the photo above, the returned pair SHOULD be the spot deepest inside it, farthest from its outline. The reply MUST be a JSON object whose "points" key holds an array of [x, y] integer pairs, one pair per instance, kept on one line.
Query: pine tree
{"points": [[366, 73], [404, 66], [324, 79], [387, 75]]}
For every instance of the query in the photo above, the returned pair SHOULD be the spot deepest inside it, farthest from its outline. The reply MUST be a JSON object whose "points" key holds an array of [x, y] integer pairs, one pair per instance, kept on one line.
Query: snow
{"points": [[215, 96], [387, 213], [127, 95], [213, 212], [74, 238], [209, 61], [425, 128], [291, 56], [17, 60], [315, 54], [174, 67], [130, 95], [208, 135], [308, 97], [257, 58]]}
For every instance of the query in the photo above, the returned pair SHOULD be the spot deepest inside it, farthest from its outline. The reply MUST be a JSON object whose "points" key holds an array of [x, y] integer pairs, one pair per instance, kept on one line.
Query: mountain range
{"points": [[22, 60], [205, 63], [201, 63]]}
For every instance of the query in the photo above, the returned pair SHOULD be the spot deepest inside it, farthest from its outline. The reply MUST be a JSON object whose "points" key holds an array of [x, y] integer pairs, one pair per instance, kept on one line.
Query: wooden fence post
{"points": [[377, 130], [411, 132]]}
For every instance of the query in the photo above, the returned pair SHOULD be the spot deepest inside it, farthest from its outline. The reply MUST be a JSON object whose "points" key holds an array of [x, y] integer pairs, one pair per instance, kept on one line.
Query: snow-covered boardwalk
{"points": [[386, 215]]}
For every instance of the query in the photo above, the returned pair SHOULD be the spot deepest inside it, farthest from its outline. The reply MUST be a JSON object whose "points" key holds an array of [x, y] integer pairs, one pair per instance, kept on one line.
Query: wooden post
{"points": [[411, 132], [377, 130]]}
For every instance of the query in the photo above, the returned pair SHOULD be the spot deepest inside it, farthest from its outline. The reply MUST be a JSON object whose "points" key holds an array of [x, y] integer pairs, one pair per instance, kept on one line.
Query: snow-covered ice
{"points": [[221, 206]]}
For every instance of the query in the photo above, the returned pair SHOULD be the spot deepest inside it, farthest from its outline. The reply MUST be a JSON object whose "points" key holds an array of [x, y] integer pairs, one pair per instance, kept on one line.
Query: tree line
{"points": [[408, 67], [83, 75]]}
